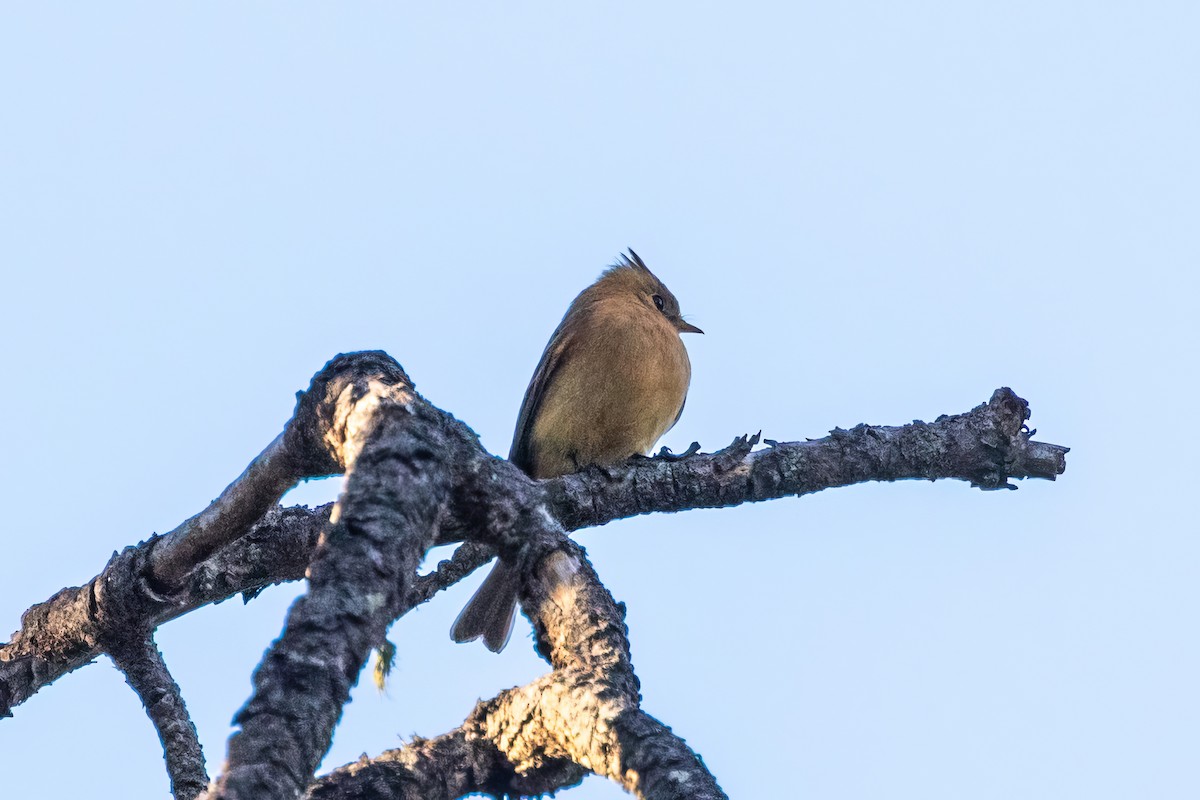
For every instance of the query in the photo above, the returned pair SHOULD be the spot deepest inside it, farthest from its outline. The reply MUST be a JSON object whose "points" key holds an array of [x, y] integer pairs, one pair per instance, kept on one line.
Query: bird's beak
{"points": [[687, 327]]}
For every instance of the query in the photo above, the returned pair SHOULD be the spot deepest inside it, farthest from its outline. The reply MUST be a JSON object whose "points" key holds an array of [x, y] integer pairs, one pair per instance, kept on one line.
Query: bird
{"points": [[612, 380]]}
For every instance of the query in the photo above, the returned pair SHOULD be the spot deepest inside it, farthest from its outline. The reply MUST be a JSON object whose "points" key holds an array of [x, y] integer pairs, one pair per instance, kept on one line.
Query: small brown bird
{"points": [[612, 380]]}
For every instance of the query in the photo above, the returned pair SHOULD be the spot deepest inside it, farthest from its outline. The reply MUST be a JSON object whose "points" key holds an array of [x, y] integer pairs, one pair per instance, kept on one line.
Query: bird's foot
{"points": [[665, 452]]}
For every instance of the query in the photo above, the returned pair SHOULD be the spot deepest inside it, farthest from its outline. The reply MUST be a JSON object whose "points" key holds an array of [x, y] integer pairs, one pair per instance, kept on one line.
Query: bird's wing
{"points": [[521, 453], [678, 414]]}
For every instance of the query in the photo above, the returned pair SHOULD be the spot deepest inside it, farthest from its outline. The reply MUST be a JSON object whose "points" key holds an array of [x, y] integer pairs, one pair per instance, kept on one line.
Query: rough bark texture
{"points": [[418, 477], [585, 713], [384, 523], [62, 634], [452, 765], [147, 674], [986, 446]]}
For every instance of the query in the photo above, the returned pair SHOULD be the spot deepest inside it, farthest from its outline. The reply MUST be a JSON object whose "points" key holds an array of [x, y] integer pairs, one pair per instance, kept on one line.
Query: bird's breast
{"points": [[619, 387]]}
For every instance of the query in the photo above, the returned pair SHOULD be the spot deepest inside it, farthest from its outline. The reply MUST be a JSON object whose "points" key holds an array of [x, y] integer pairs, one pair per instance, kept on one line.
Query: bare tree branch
{"points": [[383, 524], [62, 634], [589, 708], [55, 636], [586, 712], [146, 673], [243, 503], [446, 767], [418, 477], [64, 631], [985, 446], [322, 438]]}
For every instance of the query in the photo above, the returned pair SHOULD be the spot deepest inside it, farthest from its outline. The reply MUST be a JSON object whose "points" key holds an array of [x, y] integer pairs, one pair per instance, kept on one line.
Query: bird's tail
{"points": [[491, 610]]}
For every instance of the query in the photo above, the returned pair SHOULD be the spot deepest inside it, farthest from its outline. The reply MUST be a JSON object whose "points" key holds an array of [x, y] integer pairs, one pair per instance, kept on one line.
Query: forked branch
{"points": [[418, 477]]}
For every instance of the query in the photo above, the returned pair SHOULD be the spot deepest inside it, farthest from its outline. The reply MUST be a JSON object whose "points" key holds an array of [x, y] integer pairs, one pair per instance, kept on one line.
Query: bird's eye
{"points": [[658, 302]]}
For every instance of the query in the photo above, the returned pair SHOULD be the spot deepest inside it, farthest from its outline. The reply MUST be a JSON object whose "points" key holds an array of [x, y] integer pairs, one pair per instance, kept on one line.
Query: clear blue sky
{"points": [[877, 211]]}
